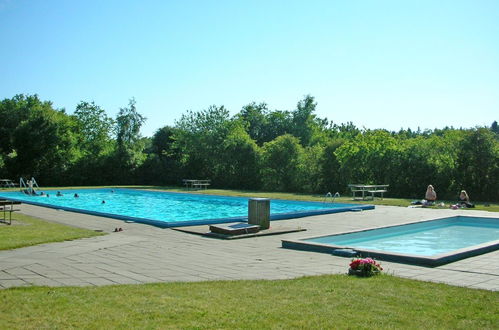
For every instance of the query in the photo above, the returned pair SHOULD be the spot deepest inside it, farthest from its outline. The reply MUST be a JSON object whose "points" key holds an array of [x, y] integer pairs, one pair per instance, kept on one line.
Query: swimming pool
{"points": [[169, 209], [431, 242]]}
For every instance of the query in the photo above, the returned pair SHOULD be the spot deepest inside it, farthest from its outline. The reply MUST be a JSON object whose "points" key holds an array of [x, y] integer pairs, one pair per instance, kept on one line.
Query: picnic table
{"points": [[7, 183], [196, 184], [7, 206], [366, 189]]}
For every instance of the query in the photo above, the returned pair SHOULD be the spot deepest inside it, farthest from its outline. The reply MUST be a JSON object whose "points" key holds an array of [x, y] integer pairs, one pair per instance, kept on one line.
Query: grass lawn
{"points": [[326, 302], [26, 231]]}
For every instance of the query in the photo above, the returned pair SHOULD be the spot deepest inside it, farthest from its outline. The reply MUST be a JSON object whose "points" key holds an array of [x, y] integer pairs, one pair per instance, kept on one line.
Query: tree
{"points": [[254, 117], [162, 165], [494, 127], [366, 158], [12, 113], [128, 124], [239, 159], [329, 167], [281, 159], [45, 144], [128, 139], [303, 120], [163, 141], [199, 138], [95, 128], [478, 164]]}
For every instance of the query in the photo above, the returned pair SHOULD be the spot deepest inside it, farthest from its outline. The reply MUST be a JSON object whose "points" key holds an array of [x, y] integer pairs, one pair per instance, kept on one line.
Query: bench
{"points": [[196, 184], [6, 183], [201, 185], [372, 189], [7, 206], [381, 192]]}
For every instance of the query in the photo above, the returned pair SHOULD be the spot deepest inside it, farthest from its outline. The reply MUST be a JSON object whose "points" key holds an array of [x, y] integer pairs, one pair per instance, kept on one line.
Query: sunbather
{"points": [[430, 196], [464, 199]]}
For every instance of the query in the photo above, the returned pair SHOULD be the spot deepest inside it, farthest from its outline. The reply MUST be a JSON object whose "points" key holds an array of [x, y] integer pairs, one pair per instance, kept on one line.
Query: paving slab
{"points": [[147, 254]]}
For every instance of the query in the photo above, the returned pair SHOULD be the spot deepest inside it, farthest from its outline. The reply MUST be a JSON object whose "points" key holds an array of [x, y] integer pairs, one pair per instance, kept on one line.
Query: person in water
{"points": [[58, 194], [76, 196]]}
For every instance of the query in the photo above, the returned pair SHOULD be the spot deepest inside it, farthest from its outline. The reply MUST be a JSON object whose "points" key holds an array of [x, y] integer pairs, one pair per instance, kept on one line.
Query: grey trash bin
{"points": [[259, 212]]}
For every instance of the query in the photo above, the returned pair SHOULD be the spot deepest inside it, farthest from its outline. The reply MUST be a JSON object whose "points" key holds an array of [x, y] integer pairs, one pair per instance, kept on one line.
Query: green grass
{"points": [[327, 302], [26, 231]]}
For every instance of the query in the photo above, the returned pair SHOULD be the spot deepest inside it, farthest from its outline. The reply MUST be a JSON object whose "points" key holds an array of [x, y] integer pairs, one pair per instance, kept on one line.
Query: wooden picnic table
{"points": [[369, 189], [196, 184]]}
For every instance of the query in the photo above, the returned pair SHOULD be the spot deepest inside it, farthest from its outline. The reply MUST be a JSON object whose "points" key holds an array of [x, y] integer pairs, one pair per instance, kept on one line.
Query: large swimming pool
{"points": [[168, 209], [430, 242]]}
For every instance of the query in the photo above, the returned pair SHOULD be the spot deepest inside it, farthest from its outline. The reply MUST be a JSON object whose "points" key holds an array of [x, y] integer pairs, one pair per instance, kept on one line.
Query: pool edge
{"points": [[170, 224], [437, 260]]}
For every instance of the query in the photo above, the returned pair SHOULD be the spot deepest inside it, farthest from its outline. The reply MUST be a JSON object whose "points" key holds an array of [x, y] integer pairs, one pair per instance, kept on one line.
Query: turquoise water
{"points": [[423, 239], [169, 208]]}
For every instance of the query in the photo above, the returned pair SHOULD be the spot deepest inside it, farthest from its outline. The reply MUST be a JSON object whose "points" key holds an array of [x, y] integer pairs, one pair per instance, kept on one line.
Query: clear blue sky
{"points": [[379, 64]]}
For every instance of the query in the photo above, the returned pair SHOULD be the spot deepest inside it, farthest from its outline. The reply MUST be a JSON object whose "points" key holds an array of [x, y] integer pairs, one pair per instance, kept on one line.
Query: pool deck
{"points": [[146, 254]]}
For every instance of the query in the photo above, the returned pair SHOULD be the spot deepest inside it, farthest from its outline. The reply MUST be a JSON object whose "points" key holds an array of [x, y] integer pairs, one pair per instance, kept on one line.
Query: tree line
{"points": [[256, 149]]}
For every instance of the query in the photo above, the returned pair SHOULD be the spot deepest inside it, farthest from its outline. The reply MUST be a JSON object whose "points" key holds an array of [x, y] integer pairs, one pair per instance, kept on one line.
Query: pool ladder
{"points": [[24, 187], [331, 196]]}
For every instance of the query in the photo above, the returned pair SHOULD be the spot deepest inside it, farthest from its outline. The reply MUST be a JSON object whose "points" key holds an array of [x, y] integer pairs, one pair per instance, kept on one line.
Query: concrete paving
{"points": [[147, 254]]}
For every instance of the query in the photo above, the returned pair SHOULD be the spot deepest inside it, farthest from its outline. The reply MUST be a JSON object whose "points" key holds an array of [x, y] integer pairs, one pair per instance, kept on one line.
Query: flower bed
{"points": [[365, 267]]}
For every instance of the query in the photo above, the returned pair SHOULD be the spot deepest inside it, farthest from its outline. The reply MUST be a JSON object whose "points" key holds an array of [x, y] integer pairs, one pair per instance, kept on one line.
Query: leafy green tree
{"points": [[344, 131], [495, 127], [478, 164], [281, 160], [12, 112], [45, 144], [278, 123], [163, 141], [330, 178], [365, 159], [95, 127], [239, 160], [130, 145], [303, 120], [254, 117], [199, 138], [162, 165], [310, 178]]}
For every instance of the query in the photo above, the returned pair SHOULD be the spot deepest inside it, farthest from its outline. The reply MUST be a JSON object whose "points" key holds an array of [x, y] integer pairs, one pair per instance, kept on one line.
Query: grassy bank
{"points": [[26, 231], [335, 301]]}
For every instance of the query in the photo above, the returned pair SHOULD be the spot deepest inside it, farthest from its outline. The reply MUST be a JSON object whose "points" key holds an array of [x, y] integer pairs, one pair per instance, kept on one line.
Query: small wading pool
{"points": [[431, 242], [167, 209]]}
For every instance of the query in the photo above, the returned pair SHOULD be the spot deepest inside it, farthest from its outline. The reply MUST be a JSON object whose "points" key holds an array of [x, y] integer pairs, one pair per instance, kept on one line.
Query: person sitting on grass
{"points": [[430, 196], [464, 200]]}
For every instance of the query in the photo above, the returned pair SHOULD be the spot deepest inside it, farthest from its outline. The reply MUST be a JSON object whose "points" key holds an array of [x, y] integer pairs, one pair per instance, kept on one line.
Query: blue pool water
{"points": [[429, 238], [429, 243], [172, 209]]}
